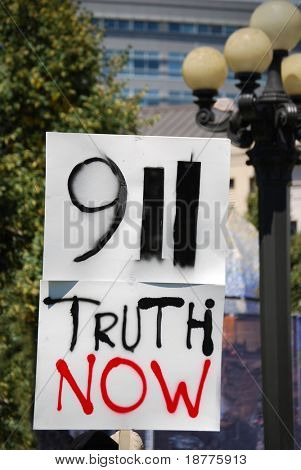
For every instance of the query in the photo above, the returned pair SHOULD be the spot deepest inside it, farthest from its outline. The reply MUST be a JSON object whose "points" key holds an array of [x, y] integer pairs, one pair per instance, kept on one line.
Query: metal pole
{"points": [[268, 125], [273, 157], [274, 235]]}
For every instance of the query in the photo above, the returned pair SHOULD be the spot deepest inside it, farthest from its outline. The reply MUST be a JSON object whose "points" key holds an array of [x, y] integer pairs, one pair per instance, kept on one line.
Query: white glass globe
{"points": [[204, 68], [281, 21], [248, 50], [291, 74]]}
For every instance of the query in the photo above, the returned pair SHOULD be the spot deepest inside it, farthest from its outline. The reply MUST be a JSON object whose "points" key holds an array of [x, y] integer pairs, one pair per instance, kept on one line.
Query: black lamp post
{"points": [[268, 126]]}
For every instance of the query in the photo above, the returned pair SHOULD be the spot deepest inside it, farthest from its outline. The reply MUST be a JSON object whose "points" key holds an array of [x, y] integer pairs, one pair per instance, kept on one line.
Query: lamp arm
{"points": [[206, 119], [239, 131], [297, 101], [235, 123]]}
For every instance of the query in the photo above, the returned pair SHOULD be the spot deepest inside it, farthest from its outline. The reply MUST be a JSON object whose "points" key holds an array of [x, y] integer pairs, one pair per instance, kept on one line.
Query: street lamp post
{"points": [[268, 126]]}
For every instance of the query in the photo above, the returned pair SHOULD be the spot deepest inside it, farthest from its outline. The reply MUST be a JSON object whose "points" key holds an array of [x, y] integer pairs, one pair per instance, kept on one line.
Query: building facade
{"points": [[160, 33]]}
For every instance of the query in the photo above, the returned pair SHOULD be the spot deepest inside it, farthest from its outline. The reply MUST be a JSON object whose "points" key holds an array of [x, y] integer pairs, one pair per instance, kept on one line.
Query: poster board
{"points": [[71, 233], [134, 235], [137, 362]]}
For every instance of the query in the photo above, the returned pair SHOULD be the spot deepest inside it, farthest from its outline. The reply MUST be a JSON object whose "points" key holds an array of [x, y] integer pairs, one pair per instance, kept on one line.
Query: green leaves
{"points": [[296, 272], [53, 77]]}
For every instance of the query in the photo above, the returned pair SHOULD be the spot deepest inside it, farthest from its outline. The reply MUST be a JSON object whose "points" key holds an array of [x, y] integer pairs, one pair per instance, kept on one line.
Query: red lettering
{"points": [[116, 362], [172, 403], [85, 402]]}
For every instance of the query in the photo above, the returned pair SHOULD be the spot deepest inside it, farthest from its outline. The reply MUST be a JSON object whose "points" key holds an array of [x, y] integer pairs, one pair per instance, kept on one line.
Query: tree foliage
{"points": [[54, 76], [296, 272], [252, 214]]}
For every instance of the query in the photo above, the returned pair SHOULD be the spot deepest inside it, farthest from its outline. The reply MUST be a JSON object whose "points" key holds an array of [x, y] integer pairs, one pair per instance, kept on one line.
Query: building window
{"points": [[150, 98], [116, 25], [185, 28], [139, 63], [188, 28], [179, 97], [145, 62], [203, 29], [152, 26], [145, 26], [216, 30], [175, 61], [139, 25], [174, 27], [123, 25], [232, 183], [127, 25], [111, 24], [230, 29], [96, 21]]}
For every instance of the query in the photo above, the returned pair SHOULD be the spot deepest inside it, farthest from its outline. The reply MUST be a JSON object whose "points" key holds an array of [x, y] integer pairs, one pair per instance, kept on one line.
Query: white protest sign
{"points": [[113, 351], [127, 355], [149, 209]]}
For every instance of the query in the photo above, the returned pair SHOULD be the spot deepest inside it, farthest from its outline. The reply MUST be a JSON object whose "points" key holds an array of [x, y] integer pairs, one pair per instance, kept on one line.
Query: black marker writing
{"points": [[119, 202], [161, 302], [124, 342], [207, 347], [99, 334], [74, 312]]}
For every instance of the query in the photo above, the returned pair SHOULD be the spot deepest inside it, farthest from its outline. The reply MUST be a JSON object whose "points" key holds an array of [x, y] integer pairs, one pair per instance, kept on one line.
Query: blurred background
{"points": [[115, 67]]}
